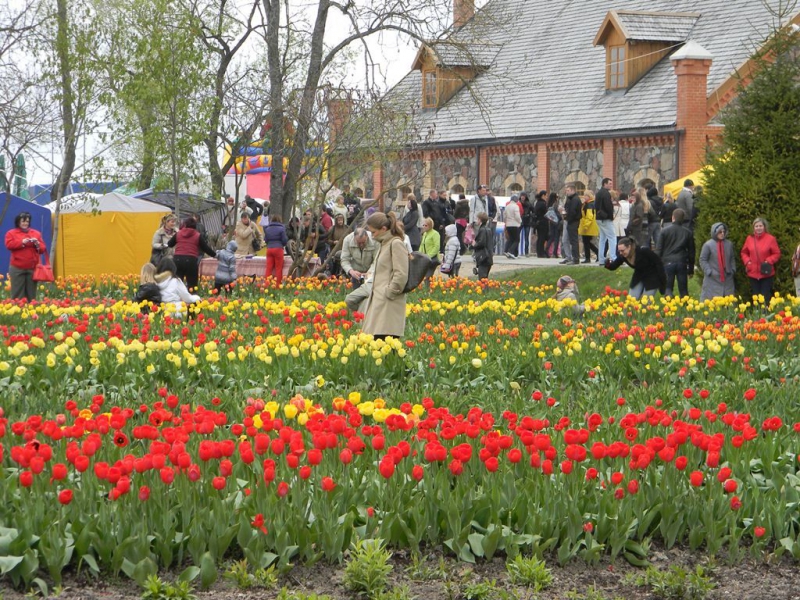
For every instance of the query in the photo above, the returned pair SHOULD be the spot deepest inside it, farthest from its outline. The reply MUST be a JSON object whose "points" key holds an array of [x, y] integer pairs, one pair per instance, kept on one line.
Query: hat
{"points": [[564, 281], [451, 230]]}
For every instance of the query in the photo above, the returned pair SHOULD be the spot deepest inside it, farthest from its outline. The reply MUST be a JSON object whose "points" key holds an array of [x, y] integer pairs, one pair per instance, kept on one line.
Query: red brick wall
{"points": [[692, 115], [543, 168]]}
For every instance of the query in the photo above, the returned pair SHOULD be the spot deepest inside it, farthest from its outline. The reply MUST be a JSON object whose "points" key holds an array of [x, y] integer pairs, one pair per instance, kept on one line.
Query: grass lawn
{"points": [[592, 280]]}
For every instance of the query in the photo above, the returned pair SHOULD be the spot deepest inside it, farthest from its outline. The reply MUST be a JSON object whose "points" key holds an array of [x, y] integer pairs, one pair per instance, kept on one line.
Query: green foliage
{"points": [[239, 573], [486, 589], [592, 593], [156, 589], [368, 568], [530, 572], [756, 169], [419, 570], [286, 594], [398, 593], [677, 583]]}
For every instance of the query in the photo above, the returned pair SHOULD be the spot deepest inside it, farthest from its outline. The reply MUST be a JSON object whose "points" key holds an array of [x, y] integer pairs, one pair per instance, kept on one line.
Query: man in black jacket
{"points": [[432, 209], [572, 215], [604, 208], [676, 249]]}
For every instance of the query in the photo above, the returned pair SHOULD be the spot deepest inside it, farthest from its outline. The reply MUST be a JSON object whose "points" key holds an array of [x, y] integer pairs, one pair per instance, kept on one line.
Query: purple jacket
{"points": [[275, 235]]}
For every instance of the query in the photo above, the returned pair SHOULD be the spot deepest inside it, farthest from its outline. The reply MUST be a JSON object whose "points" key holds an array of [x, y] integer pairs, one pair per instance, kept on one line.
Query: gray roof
{"points": [[656, 27], [464, 55], [547, 80]]}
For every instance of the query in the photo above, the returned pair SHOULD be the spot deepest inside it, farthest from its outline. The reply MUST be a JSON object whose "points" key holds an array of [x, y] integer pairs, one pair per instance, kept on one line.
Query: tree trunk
{"points": [[68, 116], [277, 118]]}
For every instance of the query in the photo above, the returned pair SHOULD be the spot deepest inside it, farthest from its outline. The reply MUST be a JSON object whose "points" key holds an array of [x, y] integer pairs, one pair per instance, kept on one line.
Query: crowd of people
{"points": [[654, 237]]}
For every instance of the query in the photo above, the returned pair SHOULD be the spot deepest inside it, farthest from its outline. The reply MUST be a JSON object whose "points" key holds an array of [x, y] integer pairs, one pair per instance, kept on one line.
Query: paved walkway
{"points": [[505, 265]]}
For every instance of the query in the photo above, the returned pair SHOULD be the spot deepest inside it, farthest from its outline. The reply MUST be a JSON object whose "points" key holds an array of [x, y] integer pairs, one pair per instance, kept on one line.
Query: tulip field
{"points": [[264, 426]]}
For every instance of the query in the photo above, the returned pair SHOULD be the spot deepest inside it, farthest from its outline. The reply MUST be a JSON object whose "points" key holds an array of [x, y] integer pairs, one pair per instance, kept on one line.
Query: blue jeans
{"points": [[607, 235], [677, 271], [638, 291]]}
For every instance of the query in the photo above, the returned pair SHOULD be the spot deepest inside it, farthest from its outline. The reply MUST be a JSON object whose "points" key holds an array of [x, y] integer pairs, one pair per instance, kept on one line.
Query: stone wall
{"points": [[403, 172], [660, 160], [445, 169], [503, 168], [358, 176], [587, 162]]}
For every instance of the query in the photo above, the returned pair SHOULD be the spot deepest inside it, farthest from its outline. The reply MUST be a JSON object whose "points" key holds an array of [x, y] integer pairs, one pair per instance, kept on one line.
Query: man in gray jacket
{"points": [[358, 254]]}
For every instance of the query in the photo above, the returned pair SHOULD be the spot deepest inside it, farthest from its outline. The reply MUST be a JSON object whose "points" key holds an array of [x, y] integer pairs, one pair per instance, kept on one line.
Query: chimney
{"points": [[463, 11], [340, 105], [692, 64]]}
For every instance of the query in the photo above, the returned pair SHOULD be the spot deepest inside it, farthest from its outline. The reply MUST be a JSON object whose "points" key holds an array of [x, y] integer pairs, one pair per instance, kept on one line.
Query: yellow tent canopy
{"points": [[676, 186], [111, 234]]}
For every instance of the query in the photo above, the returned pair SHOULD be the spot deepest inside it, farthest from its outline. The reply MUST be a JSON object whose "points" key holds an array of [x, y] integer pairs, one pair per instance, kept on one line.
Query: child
{"points": [[148, 291], [452, 252], [226, 267], [567, 289]]}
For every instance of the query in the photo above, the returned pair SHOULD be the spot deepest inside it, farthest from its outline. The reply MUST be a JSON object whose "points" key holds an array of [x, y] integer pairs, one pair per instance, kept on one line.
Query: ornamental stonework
{"points": [[657, 161], [445, 169], [585, 166], [403, 177], [521, 168]]}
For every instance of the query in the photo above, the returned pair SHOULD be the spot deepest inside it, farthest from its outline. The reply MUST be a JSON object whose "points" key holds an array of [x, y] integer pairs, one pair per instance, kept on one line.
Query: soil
{"points": [[446, 579]]}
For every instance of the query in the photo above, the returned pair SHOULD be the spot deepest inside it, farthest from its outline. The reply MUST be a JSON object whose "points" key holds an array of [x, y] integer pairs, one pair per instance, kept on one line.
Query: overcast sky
{"points": [[393, 57]]}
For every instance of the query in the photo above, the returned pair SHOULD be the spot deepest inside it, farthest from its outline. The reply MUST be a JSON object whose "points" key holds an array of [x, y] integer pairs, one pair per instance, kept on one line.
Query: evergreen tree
{"points": [[755, 171]]}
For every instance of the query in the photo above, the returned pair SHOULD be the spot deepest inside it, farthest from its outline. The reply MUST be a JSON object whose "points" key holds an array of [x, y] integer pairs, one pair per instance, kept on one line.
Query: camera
{"points": [[361, 280]]}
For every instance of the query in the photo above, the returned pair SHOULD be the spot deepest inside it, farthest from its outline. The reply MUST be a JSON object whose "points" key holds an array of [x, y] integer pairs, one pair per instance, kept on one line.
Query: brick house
{"points": [[535, 94]]}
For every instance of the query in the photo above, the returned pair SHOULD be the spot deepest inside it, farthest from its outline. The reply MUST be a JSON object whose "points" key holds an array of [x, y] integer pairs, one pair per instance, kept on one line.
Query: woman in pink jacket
{"points": [[760, 253]]}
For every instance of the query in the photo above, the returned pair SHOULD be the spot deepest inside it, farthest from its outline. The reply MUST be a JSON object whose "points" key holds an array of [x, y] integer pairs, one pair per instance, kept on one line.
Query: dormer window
{"points": [[446, 67], [616, 67], [635, 41], [430, 93]]}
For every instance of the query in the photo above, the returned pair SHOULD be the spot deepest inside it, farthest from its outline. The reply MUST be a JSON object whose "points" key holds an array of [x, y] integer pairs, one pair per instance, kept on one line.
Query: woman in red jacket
{"points": [[760, 254], [25, 245]]}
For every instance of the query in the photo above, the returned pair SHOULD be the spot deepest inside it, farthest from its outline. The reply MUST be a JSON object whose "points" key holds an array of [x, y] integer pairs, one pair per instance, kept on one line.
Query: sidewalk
{"points": [[505, 265]]}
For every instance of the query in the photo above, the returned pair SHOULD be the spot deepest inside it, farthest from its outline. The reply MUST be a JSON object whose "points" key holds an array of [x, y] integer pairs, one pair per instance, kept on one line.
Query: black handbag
{"points": [[418, 266], [766, 268]]}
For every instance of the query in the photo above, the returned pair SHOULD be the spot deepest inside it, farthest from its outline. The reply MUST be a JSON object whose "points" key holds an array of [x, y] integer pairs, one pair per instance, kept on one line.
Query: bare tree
{"points": [[417, 19]]}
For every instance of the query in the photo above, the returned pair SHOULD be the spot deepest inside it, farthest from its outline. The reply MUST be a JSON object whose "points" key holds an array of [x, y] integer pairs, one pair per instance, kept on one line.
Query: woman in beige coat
{"points": [[247, 237], [386, 311]]}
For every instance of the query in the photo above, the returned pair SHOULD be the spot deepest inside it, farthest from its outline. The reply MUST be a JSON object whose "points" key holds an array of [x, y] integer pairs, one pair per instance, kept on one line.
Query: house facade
{"points": [[536, 94]]}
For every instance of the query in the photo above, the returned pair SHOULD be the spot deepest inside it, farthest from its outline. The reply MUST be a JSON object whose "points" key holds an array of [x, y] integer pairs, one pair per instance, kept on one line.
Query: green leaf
{"points": [[7, 563], [476, 544], [189, 574], [91, 561], [208, 570]]}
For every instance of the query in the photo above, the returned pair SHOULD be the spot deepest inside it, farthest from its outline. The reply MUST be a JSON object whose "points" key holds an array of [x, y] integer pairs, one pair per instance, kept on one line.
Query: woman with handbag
{"points": [[26, 246], [386, 310], [588, 228], [554, 225], [760, 253]]}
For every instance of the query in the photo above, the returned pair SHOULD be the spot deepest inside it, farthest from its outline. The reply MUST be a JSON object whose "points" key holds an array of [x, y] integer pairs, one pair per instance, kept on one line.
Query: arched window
{"points": [[580, 187], [512, 189]]}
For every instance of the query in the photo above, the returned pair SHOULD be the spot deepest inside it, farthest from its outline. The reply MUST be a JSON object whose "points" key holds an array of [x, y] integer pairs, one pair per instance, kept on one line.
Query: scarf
{"points": [[721, 259]]}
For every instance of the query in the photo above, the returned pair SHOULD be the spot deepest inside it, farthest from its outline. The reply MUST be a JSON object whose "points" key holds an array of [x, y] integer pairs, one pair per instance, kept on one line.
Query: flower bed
{"points": [[266, 426]]}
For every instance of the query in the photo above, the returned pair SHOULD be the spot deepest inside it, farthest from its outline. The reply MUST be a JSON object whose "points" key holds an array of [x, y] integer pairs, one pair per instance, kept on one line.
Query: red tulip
{"points": [[65, 497], [328, 484]]}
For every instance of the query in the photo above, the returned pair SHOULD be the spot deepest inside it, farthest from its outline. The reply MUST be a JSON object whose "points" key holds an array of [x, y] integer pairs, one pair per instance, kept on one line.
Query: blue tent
{"points": [[41, 220]]}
